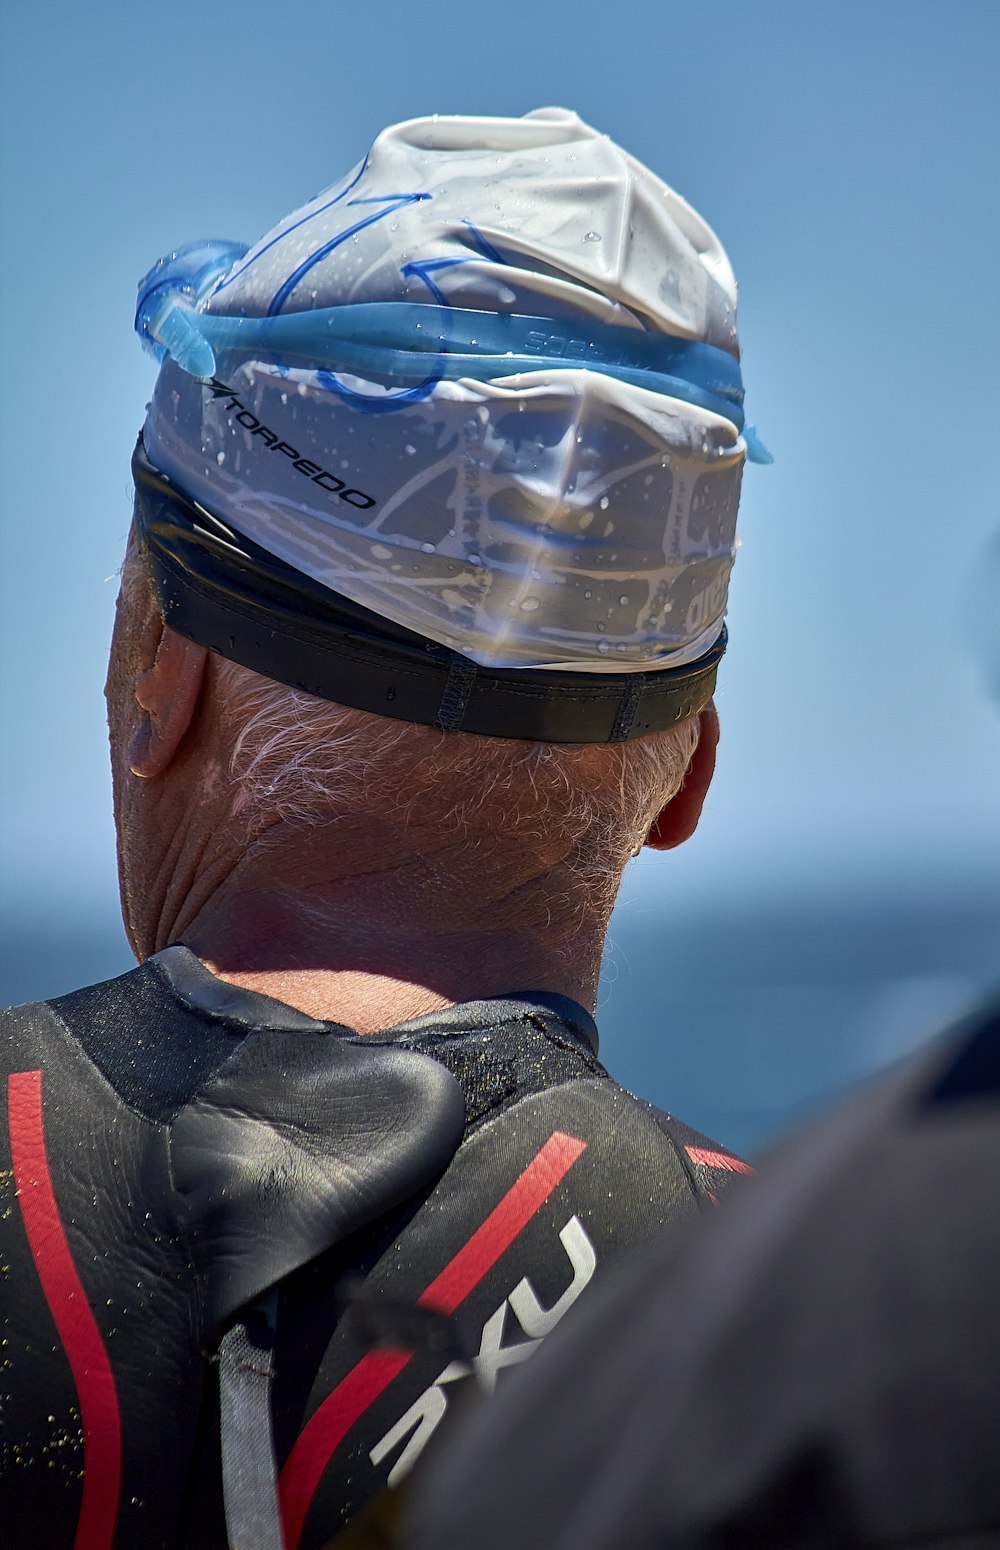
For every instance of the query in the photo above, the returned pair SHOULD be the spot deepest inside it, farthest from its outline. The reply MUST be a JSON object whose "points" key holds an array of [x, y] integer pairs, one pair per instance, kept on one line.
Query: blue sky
{"points": [[847, 157]]}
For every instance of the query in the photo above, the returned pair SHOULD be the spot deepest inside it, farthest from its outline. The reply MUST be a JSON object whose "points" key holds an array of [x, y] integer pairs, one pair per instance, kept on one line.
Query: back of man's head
{"points": [[443, 476]]}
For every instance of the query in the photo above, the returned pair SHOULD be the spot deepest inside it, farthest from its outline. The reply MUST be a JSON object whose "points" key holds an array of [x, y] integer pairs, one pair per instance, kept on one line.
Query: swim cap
{"points": [[485, 390]]}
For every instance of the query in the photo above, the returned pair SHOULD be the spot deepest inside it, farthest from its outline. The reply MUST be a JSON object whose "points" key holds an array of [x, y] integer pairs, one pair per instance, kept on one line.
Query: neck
{"points": [[367, 924]]}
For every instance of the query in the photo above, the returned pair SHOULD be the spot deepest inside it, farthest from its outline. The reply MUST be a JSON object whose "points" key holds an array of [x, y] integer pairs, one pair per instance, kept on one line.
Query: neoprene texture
{"points": [[174, 1146]]}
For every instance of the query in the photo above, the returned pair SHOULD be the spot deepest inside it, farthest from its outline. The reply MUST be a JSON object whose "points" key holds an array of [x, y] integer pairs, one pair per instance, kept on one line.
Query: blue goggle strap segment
{"points": [[404, 329], [410, 341]]}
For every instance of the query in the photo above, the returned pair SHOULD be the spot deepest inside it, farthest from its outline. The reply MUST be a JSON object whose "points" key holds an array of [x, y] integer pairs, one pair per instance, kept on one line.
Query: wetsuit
{"points": [[220, 1216]]}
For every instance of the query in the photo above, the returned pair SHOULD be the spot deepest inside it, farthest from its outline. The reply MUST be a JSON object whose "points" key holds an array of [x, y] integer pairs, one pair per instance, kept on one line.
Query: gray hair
{"points": [[294, 757]]}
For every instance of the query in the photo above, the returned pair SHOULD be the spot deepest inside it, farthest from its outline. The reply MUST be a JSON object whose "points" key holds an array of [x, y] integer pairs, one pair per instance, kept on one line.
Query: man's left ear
{"points": [[168, 694], [679, 819]]}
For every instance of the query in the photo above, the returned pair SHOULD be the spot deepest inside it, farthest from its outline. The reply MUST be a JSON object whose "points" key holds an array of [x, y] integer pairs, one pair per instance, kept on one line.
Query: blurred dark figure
{"points": [[819, 1368]]}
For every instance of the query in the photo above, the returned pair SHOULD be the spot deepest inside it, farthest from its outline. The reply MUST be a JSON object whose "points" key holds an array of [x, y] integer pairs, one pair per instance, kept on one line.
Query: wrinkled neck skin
{"points": [[362, 921]]}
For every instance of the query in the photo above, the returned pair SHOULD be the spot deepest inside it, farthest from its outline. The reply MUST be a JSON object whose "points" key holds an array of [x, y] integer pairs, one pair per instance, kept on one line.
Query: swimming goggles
{"points": [[422, 342]]}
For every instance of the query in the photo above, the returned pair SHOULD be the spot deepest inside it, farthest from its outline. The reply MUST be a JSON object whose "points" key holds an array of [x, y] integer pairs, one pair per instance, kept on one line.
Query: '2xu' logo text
{"points": [[303, 465], [425, 1415]]}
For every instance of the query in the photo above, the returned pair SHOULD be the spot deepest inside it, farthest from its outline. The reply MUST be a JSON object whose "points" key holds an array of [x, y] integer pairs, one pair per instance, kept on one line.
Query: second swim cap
{"points": [[486, 389]]}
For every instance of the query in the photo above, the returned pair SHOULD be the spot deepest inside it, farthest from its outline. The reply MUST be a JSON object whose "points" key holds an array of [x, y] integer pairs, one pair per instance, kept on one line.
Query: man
{"points": [[417, 636]]}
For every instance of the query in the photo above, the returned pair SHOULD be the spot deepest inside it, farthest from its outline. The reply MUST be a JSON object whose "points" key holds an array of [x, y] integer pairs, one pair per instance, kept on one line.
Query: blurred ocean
{"points": [[741, 1019], [745, 1024]]}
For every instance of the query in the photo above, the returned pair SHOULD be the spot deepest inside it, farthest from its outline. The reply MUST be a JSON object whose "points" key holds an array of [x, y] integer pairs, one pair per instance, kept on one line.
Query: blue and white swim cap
{"points": [[486, 387]]}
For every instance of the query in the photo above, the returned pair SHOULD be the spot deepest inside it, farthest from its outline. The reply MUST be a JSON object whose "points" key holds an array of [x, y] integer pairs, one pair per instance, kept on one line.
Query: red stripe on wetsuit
{"points": [[71, 1314], [724, 1160], [344, 1406]]}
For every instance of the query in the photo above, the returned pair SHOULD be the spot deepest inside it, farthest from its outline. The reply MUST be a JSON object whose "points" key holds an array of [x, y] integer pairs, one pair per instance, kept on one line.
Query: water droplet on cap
{"points": [[427, 548], [605, 503], [592, 236], [529, 605]]}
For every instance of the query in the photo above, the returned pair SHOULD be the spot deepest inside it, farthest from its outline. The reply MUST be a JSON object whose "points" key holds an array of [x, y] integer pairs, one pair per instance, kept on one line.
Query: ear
{"points": [[168, 694], [679, 819]]}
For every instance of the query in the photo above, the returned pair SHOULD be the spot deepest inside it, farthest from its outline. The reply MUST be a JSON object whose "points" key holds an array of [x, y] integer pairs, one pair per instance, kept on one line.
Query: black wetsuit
{"points": [[428, 1202]]}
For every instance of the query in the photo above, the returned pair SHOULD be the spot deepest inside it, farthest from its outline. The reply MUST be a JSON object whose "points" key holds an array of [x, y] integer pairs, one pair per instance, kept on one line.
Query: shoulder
{"points": [[541, 1051], [561, 1175]]}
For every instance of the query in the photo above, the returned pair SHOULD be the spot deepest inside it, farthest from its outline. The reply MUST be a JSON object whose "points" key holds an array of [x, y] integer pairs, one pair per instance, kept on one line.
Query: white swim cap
{"points": [[574, 516]]}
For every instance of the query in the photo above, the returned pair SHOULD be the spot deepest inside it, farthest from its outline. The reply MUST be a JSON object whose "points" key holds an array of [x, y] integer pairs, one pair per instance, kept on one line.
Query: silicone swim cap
{"points": [[486, 389]]}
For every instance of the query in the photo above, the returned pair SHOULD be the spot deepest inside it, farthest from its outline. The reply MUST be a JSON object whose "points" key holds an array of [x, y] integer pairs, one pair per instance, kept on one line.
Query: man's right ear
{"points": [[168, 694], [679, 819]]}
